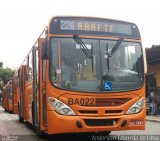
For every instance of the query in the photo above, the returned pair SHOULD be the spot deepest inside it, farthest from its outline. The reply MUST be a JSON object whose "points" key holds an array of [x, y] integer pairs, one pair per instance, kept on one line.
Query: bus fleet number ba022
{"points": [[81, 101]]}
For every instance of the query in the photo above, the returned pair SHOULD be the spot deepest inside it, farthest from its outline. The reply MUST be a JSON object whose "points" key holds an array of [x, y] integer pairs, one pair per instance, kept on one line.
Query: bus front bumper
{"points": [[57, 123]]}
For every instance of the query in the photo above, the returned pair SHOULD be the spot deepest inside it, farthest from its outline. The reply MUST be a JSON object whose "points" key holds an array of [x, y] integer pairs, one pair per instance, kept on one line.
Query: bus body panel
{"points": [[57, 126], [84, 112]]}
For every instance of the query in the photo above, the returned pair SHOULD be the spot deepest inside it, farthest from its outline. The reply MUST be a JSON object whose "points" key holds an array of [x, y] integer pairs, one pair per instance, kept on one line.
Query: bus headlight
{"points": [[60, 107], [137, 107]]}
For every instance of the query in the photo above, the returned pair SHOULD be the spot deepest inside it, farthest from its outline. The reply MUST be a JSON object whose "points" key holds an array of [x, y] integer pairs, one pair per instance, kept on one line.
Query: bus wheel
{"points": [[40, 133], [21, 120], [19, 114]]}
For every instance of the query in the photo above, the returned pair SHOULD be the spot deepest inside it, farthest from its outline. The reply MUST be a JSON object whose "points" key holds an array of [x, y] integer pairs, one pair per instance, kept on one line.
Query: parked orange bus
{"points": [[7, 96], [84, 74], [10, 95], [4, 95]]}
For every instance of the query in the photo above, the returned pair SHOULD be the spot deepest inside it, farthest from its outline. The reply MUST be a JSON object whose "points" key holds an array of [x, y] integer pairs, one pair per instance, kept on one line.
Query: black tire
{"points": [[40, 133], [21, 120]]}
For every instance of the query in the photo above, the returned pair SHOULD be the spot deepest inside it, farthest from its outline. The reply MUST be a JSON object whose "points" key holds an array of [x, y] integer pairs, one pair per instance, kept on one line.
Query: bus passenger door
{"points": [[22, 91], [37, 88], [42, 88], [35, 103]]}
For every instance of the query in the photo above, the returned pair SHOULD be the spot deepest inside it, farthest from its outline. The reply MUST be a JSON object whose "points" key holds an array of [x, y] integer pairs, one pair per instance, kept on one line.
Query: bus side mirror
{"points": [[45, 52]]}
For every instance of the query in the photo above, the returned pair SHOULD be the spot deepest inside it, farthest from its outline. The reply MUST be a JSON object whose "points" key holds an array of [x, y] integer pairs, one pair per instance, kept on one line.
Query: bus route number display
{"points": [[95, 26]]}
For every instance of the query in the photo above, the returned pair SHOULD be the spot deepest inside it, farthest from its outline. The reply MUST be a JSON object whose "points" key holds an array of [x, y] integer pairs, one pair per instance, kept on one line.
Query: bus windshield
{"points": [[71, 69]]}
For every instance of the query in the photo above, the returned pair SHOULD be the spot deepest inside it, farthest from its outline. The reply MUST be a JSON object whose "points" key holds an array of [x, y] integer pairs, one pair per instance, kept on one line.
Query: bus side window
{"points": [[30, 67], [44, 70], [37, 66]]}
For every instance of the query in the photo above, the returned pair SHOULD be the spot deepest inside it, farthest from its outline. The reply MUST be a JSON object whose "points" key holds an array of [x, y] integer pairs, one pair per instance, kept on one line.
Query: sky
{"points": [[21, 21]]}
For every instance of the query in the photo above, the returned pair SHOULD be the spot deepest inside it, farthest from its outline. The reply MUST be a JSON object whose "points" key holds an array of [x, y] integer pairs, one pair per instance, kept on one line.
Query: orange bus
{"points": [[7, 96], [84, 74], [10, 95], [4, 95]]}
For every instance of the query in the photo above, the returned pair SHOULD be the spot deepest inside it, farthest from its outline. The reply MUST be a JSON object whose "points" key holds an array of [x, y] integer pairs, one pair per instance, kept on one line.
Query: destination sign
{"points": [[93, 26]]}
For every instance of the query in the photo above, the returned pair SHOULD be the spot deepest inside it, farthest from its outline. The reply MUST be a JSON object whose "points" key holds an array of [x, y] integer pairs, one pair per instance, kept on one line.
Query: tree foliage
{"points": [[5, 75]]}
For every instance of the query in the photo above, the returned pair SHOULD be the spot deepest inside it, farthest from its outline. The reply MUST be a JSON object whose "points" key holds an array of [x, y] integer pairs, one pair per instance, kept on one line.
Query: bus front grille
{"points": [[88, 111], [110, 101]]}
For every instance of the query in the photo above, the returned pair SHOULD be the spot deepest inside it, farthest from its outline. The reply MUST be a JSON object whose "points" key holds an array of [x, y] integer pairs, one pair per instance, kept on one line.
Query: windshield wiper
{"points": [[110, 53], [107, 55], [82, 46], [116, 46]]}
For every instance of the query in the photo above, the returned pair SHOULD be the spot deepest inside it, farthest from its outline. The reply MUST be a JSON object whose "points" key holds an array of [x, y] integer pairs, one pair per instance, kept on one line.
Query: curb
{"points": [[152, 120]]}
